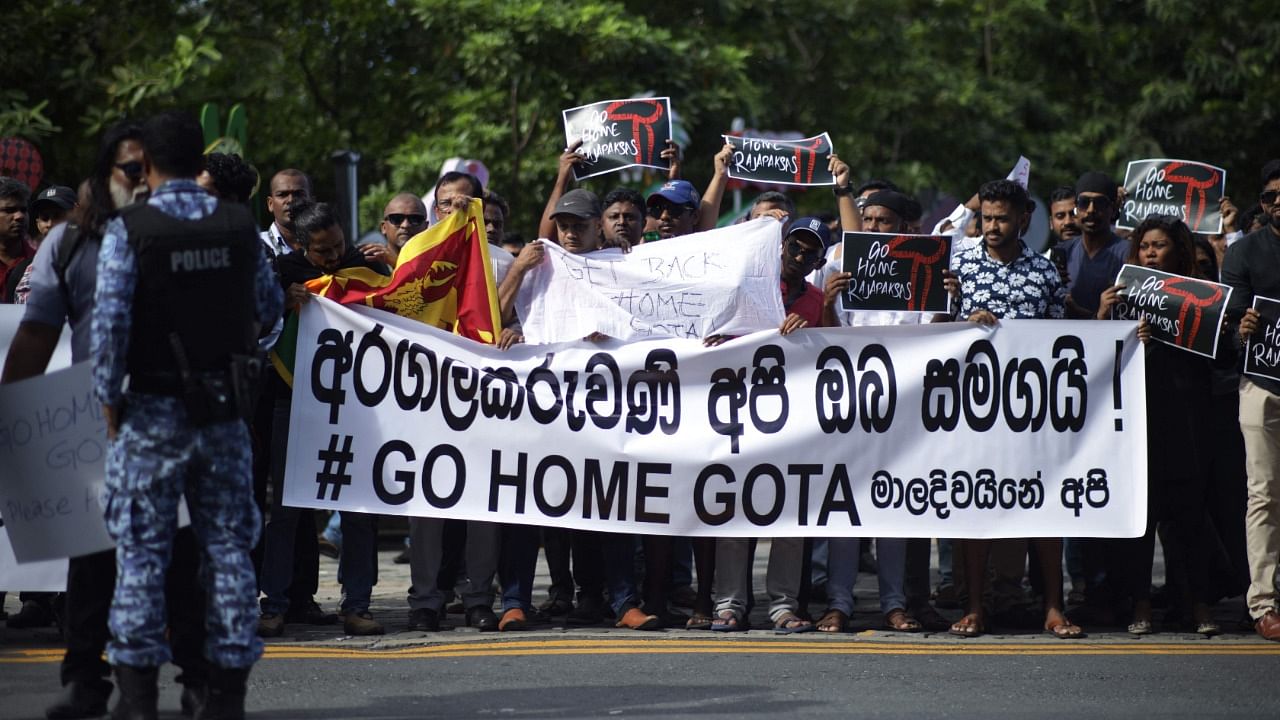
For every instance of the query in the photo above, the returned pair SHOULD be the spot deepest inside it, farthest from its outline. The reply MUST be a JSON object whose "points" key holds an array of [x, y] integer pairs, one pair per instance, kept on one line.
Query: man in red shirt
{"points": [[14, 248]]}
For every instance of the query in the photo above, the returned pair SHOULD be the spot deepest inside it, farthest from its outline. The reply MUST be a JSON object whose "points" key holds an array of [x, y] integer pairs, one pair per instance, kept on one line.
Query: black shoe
{"points": [[556, 606], [224, 695], [590, 611], [310, 614], [192, 698], [80, 699], [138, 693], [402, 558], [424, 619], [34, 614], [482, 618]]}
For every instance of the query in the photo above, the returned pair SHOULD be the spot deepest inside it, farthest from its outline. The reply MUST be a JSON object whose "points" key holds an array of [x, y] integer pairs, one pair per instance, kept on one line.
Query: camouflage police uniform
{"points": [[159, 455]]}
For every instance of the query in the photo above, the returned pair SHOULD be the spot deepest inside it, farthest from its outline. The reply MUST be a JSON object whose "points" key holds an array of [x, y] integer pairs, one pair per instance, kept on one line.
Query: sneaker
{"points": [[270, 625], [590, 611], [636, 619], [34, 614], [310, 614], [424, 619], [361, 622]]}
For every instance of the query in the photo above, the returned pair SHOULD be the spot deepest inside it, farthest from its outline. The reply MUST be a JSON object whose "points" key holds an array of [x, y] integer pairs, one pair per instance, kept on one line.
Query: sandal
{"points": [[833, 621], [1141, 627], [698, 621], [1063, 629], [898, 619], [790, 623], [969, 626], [727, 621], [1208, 628]]}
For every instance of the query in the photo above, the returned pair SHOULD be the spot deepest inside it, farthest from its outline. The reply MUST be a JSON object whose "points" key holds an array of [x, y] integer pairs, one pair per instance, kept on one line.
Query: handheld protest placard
{"points": [[1185, 189], [781, 162], [1182, 311], [896, 272], [619, 134], [1262, 355]]}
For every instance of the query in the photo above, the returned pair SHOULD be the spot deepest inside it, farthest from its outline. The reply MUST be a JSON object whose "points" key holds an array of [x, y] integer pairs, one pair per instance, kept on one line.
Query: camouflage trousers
{"points": [[156, 459]]}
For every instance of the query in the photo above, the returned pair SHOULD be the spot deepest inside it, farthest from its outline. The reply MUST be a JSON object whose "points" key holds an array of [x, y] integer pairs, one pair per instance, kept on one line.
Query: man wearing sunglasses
{"points": [[1093, 258], [673, 209], [404, 217], [1250, 267]]}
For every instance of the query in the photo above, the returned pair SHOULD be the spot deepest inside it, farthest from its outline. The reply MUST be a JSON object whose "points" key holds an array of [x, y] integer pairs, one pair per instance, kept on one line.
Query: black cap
{"points": [[59, 195], [1270, 171], [1096, 182], [579, 203], [897, 202]]}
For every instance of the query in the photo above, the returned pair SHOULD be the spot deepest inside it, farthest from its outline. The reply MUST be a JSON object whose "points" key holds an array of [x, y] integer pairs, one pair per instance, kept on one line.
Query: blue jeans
{"points": [[620, 571], [516, 565], [842, 572]]}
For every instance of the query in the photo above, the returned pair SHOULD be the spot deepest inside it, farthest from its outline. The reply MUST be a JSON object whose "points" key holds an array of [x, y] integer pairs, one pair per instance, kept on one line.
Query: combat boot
{"points": [[137, 693], [224, 695]]}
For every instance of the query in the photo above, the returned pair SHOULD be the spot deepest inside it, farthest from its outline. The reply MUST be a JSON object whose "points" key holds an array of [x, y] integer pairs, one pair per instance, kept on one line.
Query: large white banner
{"points": [[1034, 428], [720, 282]]}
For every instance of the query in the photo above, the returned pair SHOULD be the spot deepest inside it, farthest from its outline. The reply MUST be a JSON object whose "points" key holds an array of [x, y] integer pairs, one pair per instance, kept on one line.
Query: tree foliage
{"points": [[938, 95]]}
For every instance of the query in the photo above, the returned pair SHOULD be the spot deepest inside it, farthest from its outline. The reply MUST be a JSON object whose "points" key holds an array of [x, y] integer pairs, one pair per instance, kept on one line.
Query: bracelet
{"points": [[842, 191]]}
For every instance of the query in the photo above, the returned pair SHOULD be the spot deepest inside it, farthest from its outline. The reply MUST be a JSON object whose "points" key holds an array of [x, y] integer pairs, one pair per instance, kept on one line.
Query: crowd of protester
{"points": [[1216, 516]]}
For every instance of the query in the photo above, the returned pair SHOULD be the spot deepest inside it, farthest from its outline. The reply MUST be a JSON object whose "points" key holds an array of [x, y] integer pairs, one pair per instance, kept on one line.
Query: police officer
{"points": [[183, 289]]}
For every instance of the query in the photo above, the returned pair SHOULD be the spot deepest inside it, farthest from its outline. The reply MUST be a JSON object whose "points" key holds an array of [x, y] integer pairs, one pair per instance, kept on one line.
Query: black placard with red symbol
{"points": [[1184, 189], [896, 272], [781, 162], [619, 134], [1182, 311]]}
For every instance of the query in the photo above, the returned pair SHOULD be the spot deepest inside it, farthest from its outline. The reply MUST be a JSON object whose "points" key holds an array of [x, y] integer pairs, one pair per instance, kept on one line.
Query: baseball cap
{"points": [[59, 195], [579, 203], [679, 192], [813, 226]]}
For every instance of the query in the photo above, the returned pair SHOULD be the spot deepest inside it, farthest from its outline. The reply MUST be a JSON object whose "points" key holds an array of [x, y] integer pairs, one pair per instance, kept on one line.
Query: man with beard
{"points": [[1251, 269], [14, 248], [1094, 258], [673, 209], [1062, 217]]}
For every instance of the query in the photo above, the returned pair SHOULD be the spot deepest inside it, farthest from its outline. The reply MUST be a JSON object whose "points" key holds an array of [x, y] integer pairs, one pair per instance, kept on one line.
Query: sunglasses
{"points": [[808, 256], [131, 169], [398, 218], [675, 211], [1269, 197], [1099, 201]]}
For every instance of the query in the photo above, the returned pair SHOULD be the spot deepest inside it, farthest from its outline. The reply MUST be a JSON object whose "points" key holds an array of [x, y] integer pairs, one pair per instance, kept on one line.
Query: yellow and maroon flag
{"points": [[442, 278]]}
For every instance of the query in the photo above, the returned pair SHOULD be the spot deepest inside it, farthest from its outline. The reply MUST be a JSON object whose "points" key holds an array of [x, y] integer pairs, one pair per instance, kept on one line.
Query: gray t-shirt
{"points": [[48, 306]]}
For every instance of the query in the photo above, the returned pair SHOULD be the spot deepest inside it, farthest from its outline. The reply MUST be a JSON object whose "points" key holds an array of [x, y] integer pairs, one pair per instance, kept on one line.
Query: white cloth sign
{"points": [[937, 430], [721, 282], [53, 446]]}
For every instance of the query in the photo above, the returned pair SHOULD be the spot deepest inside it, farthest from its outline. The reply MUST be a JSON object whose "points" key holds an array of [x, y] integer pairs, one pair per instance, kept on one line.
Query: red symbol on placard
{"points": [[803, 174], [1194, 303], [639, 122], [20, 159], [1194, 186], [921, 264]]}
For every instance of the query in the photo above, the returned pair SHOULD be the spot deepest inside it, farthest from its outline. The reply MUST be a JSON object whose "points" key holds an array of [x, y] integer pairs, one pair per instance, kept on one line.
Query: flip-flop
{"points": [[727, 621], [969, 626], [790, 624], [697, 621], [900, 621], [833, 621], [1066, 630]]}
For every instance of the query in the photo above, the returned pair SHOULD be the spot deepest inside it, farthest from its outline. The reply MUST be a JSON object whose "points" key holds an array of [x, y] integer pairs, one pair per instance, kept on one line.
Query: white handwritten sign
{"points": [[724, 281], [53, 444], [1262, 356], [44, 576]]}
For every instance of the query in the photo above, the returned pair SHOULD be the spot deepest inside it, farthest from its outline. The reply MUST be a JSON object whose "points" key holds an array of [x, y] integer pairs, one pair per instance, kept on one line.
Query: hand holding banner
{"points": [[619, 134], [896, 272], [781, 162], [1184, 189], [1182, 311]]}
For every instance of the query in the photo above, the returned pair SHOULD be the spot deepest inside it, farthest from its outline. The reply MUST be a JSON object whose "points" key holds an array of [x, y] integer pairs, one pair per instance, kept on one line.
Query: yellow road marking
{"points": [[517, 648]]}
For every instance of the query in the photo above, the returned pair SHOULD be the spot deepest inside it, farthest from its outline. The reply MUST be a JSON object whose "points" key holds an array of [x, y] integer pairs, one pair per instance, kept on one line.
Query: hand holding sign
{"points": [[784, 162], [905, 273], [1184, 312], [1261, 327]]}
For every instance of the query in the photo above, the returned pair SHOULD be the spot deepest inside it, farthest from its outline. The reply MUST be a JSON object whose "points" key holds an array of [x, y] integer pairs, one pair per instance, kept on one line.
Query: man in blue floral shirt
{"points": [[1001, 279]]}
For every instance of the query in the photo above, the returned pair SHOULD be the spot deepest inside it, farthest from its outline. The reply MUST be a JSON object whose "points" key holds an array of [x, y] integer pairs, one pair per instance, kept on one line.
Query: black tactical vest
{"points": [[195, 279]]}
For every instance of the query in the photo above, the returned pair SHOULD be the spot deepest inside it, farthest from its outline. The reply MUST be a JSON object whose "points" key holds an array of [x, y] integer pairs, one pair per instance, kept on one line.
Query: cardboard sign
{"points": [[619, 134], [896, 272], [1182, 311], [781, 162], [1262, 354], [1184, 189], [43, 576]]}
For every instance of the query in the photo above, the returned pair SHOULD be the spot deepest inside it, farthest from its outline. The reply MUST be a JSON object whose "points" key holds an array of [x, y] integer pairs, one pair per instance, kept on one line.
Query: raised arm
{"points": [[850, 218], [709, 211], [569, 158]]}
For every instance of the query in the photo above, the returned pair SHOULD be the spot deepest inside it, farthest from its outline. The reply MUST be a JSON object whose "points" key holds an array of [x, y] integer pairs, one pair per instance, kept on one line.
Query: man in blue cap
{"points": [[673, 209]]}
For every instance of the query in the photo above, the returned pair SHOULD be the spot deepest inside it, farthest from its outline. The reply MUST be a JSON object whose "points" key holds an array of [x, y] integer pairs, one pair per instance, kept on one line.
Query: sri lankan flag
{"points": [[442, 278]]}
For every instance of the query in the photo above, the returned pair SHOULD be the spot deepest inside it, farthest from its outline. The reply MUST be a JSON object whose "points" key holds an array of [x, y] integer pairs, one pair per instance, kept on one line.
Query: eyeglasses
{"points": [[808, 256], [398, 218], [1269, 197], [131, 169], [675, 211], [1084, 202]]}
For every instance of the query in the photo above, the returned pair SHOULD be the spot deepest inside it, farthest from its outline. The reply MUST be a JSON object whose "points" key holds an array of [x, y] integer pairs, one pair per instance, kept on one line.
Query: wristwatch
{"points": [[842, 191]]}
